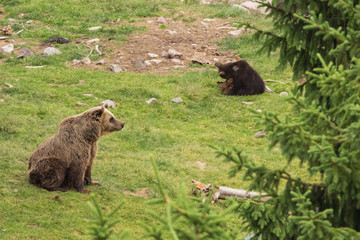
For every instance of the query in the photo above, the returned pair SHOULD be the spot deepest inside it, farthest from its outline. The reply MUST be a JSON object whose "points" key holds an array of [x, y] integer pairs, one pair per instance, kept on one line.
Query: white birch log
{"points": [[226, 192]]}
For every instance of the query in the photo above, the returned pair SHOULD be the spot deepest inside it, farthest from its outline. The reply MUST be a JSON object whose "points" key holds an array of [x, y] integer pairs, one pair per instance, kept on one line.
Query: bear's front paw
{"points": [[93, 182]]}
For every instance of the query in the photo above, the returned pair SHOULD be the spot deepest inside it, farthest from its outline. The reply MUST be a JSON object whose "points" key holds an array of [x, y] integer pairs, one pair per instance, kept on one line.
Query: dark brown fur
{"points": [[64, 160], [241, 79]]}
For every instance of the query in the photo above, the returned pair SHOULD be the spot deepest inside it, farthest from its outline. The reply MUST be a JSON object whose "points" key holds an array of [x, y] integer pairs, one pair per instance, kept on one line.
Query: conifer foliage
{"points": [[320, 39]]}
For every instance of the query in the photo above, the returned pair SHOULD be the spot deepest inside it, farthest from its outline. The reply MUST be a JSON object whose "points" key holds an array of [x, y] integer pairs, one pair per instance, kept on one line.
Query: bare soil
{"points": [[195, 40]]}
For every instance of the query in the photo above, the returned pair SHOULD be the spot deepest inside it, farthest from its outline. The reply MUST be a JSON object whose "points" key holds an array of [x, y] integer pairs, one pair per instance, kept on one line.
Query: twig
{"points": [[97, 50], [91, 50], [3, 38], [19, 32]]}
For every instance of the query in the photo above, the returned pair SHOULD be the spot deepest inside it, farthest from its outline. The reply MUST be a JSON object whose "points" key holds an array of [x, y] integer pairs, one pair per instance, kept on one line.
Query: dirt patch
{"points": [[194, 40], [142, 192]]}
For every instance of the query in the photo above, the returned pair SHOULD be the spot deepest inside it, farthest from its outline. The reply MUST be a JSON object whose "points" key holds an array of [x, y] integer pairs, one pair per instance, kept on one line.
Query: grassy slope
{"points": [[177, 135]]}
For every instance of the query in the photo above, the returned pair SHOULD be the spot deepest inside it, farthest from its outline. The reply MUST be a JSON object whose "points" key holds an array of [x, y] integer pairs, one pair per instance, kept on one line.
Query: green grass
{"points": [[178, 135]]}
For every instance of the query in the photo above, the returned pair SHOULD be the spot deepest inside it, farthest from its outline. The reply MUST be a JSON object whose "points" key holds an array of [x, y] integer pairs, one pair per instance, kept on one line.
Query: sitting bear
{"points": [[241, 79], [64, 160]]}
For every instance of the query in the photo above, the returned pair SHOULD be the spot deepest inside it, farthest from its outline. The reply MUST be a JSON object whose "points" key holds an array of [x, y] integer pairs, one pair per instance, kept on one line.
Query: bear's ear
{"points": [[98, 113], [219, 65]]}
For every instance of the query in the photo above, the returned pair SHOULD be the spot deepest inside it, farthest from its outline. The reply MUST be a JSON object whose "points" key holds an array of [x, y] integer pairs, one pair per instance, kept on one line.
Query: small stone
{"points": [[157, 61], [201, 61], [82, 82], [148, 63], [210, 19], [79, 104], [100, 62], [25, 52], [16, 190], [139, 64], [51, 51], [75, 61], [174, 54], [116, 68], [86, 61], [109, 103], [153, 55], [205, 24], [151, 100], [21, 15], [177, 100], [9, 85], [283, 94], [260, 134], [237, 33], [94, 28], [150, 21], [93, 40], [177, 61], [12, 20], [9, 48], [165, 55], [247, 103], [171, 32], [88, 94], [240, 7], [2, 100], [259, 110], [216, 60], [161, 20]]}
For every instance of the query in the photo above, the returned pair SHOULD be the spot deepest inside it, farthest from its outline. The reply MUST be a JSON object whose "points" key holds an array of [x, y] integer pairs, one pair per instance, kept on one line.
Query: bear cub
{"points": [[64, 160], [241, 79]]}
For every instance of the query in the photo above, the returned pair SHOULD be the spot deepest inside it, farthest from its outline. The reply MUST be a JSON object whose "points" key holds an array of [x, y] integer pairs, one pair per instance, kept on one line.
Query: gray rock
{"points": [[109, 103], [100, 62], [25, 52], [76, 61], [161, 20], [241, 7], [116, 68], [177, 61], [177, 100], [247, 103], [174, 54], [9, 48], [51, 51], [139, 64], [94, 28], [237, 33], [79, 104], [260, 134], [153, 55]]}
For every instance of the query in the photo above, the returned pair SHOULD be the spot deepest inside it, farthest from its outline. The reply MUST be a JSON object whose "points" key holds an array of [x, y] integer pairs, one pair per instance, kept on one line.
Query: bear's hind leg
{"points": [[49, 173]]}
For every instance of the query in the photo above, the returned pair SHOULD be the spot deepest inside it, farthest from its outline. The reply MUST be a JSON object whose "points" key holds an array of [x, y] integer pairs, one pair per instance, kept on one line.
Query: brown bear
{"points": [[64, 160], [241, 79]]}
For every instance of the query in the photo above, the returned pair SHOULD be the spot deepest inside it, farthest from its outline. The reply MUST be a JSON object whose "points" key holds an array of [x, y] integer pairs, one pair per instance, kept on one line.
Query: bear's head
{"points": [[225, 70], [108, 123]]}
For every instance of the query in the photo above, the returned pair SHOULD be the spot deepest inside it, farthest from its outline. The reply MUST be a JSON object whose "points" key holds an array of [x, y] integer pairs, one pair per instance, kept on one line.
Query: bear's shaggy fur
{"points": [[64, 160], [241, 79]]}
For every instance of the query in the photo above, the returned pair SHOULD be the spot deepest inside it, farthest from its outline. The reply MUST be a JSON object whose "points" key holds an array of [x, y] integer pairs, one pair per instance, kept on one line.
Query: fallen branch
{"points": [[3, 38], [269, 80], [225, 192]]}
